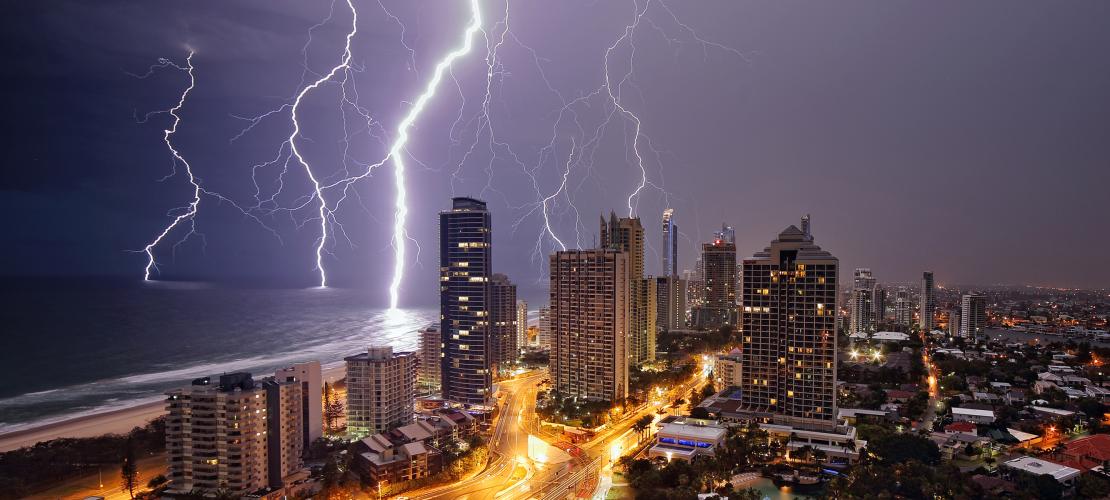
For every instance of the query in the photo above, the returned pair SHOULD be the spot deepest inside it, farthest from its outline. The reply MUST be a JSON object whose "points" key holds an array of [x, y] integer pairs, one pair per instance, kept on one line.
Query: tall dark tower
{"points": [[465, 269]]}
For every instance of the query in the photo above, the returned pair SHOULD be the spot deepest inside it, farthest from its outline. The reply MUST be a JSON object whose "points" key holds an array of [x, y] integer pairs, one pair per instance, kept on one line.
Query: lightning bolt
{"points": [[186, 214], [395, 152], [190, 211], [325, 213]]}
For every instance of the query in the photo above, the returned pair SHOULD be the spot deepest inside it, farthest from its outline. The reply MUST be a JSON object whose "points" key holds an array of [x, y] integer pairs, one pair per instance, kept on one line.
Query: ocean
{"points": [[73, 347]]}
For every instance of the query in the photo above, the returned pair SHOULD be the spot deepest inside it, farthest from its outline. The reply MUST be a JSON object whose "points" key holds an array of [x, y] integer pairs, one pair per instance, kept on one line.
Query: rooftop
{"points": [[1042, 467]]}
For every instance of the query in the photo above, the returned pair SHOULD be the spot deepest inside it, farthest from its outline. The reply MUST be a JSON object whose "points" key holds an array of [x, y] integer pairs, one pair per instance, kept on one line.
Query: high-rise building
{"points": [[521, 323], [695, 285], [670, 301], [789, 332], [431, 359], [928, 298], [502, 320], [311, 378], [626, 234], [647, 297], [380, 391], [670, 244], [465, 266], [719, 261], [589, 323], [973, 315], [903, 307], [543, 328], [861, 305], [878, 300], [236, 436], [954, 322]]}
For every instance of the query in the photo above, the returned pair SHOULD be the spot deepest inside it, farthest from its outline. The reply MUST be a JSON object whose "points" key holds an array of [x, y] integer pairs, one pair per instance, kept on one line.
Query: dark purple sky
{"points": [[969, 138]]}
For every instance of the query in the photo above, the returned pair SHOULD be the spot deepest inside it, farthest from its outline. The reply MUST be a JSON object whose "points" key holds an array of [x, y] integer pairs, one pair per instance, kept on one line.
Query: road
{"points": [[509, 470], [88, 486]]}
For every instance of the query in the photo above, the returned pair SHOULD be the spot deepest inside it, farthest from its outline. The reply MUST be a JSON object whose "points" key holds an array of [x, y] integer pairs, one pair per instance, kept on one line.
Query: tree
{"points": [[1092, 486], [642, 424], [129, 469], [333, 407], [896, 448]]}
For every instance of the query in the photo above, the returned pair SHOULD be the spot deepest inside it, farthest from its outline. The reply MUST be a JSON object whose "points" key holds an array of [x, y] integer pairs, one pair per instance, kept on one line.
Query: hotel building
{"points": [[380, 390], [589, 323], [465, 268]]}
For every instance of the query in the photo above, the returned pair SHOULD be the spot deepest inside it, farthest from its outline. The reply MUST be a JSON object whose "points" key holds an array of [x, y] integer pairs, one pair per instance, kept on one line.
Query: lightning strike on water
{"points": [[395, 152], [343, 65], [191, 210]]}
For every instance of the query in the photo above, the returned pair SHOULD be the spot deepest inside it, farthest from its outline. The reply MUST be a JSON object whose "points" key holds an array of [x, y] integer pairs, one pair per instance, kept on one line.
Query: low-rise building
{"points": [[388, 459], [686, 441], [972, 415], [1068, 476]]}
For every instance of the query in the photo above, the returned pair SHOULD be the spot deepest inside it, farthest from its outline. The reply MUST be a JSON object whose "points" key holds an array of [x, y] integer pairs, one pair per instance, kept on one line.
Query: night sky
{"points": [[968, 138]]}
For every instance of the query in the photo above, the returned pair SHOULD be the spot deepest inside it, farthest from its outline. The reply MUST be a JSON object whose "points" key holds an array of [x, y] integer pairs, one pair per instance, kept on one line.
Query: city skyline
{"points": [[1022, 189]]}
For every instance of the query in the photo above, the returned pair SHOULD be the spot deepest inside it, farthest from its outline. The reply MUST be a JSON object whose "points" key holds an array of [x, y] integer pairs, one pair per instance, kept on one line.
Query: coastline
{"points": [[119, 421]]}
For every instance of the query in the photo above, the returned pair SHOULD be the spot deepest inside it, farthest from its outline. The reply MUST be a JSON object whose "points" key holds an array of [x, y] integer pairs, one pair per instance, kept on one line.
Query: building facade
{"points": [[431, 360], [928, 309], [789, 336], [670, 302], [521, 323], [381, 388], [903, 308], [670, 244], [627, 234], [311, 378], [589, 323], [502, 325], [465, 268], [543, 328], [719, 263], [973, 315], [236, 435], [861, 308]]}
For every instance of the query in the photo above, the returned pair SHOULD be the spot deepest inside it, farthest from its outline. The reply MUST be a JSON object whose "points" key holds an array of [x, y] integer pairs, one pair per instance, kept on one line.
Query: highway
{"points": [[508, 467], [511, 474]]}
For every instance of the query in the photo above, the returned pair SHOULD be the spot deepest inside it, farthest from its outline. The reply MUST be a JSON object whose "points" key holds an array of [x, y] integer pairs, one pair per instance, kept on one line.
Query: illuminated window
{"points": [[789, 394]]}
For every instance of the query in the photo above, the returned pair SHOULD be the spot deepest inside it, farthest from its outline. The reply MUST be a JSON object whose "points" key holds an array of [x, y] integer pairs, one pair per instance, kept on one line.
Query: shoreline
{"points": [[119, 421]]}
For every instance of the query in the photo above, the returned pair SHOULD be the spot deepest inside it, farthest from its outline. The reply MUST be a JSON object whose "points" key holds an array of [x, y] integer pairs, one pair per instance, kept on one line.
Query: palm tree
{"points": [[818, 457]]}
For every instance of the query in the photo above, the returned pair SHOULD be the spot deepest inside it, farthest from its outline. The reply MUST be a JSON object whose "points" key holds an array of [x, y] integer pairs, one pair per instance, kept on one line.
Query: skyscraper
{"points": [[521, 323], [543, 328], [789, 332], [431, 359], [954, 322], [670, 244], [380, 391], [626, 234], [589, 323], [670, 302], [928, 298], [973, 315], [861, 308], [465, 267], [903, 308], [502, 318], [719, 261]]}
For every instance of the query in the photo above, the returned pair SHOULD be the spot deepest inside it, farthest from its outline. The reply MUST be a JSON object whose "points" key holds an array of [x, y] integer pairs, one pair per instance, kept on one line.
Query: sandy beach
{"points": [[111, 422]]}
